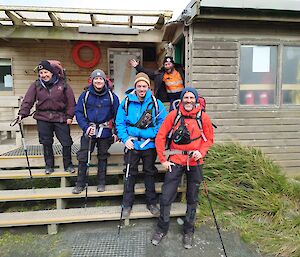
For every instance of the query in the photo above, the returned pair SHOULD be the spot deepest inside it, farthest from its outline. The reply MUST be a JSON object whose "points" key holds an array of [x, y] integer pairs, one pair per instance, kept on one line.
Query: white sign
{"points": [[8, 81], [261, 59]]}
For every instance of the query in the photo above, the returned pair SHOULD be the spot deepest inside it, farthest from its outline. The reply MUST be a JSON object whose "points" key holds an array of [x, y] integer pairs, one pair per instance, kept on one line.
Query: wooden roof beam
{"points": [[55, 20], [160, 22], [130, 19], [93, 20], [16, 20]]}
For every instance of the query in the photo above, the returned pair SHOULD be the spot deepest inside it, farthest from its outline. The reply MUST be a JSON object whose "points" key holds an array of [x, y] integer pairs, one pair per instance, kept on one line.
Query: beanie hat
{"points": [[142, 77], [168, 59], [45, 65], [97, 73], [189, 89]]}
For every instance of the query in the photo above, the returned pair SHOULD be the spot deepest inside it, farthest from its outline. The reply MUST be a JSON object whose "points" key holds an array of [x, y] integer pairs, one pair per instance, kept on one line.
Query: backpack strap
{"points": [[86, 96], [199, 121], [154, 102]]}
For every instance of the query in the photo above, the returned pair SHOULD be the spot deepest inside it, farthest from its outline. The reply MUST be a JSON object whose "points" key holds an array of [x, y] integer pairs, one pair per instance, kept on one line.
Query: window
{"points": [[259, 84], [6, 81], [258, 69], [291, 75]]}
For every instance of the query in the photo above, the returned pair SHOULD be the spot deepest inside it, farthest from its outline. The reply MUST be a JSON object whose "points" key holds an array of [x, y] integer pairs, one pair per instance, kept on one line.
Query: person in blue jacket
{"points": [[95, 113], [138, 120]]}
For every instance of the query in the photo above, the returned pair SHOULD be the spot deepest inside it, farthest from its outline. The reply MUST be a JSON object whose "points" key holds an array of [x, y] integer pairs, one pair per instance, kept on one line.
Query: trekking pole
{"points": [[13, 123], [212, 210], [87, 171], [125, 186]]}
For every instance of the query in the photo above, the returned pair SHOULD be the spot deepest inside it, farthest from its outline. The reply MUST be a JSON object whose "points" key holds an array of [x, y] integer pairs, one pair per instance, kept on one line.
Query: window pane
{"points": [[291, 75], [6, 81], [258, 75]]}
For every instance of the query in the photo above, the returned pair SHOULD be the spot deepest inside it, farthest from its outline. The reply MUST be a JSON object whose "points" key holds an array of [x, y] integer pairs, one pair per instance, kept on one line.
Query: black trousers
{"points": [[169, 193], [46, 133], [148, 158], [103, 144]]}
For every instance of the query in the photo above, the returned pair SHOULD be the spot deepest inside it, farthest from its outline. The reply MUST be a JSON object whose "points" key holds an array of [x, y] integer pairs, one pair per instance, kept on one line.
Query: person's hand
{"points": [[69, 121], [168, 165], [129, 144], [133, 63], [115, 137], [197, 155], [91, 131]]}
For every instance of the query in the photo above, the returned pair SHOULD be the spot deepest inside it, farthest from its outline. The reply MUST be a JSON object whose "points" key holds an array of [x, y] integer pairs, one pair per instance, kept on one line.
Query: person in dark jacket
{"points": [[168, 80], [54, 101], [188, 145], [95, 113]]}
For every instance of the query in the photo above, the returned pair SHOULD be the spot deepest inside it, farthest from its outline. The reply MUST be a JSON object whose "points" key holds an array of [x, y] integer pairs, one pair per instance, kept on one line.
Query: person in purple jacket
{"points": [[55, 102]]}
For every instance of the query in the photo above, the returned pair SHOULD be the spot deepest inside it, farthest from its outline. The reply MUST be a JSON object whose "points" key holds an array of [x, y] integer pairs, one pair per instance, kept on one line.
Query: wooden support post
{"points": [[61, 204], [126, 222], [52, 229]]}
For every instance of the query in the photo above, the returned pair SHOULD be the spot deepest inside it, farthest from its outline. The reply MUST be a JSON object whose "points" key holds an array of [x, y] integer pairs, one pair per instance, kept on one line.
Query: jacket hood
{"points": [[192, 113], [93, 91], [133, 97]]}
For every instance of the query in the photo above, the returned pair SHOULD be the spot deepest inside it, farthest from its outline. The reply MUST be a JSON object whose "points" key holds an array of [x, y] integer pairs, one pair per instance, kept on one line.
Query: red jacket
{"points": [[192, 126]]}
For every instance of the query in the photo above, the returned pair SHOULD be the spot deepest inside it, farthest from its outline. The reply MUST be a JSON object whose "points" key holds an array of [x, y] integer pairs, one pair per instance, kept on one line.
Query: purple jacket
{"points": [[53, 105]]}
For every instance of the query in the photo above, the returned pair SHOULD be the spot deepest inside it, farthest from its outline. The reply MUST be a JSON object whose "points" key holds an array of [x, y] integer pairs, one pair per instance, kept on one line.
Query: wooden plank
{"points": [[212, 44], [215, 69], [281, 149], [220, 107], [255, 113], [255, 121], [217, 77], [220, 100], [254, 135], [79, 215], [40, 173], [220, 92], [215, 61], [285, 156], [9, 101], [266, 143], [289, 163], [215, 53], [208, 84], [262, 128], [66, 192]]}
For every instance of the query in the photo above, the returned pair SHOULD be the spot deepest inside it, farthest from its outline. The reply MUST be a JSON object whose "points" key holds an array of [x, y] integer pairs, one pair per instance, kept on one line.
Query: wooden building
{"points": [[82, 40], [244, 58]]}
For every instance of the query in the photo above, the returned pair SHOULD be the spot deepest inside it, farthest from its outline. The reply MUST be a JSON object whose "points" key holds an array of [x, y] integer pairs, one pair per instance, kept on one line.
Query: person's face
{"points": [[141, 88], [98, 83], [168, 66], [189, 101], [45, 75]]}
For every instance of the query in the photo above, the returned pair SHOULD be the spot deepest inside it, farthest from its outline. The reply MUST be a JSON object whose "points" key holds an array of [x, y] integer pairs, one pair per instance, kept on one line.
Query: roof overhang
{"points": [[82, 24]]}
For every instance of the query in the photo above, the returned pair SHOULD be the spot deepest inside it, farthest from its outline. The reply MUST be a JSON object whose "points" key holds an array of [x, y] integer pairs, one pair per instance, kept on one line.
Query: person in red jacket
{"points": [[187, 146]]}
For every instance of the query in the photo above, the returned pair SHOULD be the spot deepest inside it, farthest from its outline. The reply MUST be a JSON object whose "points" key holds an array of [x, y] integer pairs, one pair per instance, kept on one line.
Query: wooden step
{"points": [[79, 215], [66, 192], [40, 173]]}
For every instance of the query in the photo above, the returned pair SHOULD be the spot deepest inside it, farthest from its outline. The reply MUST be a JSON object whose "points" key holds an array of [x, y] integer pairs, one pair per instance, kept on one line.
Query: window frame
{"points": [[278, 85], [12, 91]]}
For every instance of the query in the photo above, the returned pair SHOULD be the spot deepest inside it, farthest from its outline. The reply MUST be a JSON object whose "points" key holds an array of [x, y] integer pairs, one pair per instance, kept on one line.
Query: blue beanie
{"points": [[189, 89]]}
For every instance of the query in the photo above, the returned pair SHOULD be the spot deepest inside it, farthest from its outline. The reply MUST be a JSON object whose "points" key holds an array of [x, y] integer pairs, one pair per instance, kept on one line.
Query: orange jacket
{"points": [[192, 126]]}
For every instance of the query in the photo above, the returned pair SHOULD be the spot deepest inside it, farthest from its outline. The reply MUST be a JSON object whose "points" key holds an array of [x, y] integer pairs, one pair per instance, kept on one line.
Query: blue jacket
{"points": [[99, 109], [135, 111]]}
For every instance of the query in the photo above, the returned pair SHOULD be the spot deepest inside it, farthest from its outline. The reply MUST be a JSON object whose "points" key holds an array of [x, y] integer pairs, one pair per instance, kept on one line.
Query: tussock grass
{"points": [[250, 193]]}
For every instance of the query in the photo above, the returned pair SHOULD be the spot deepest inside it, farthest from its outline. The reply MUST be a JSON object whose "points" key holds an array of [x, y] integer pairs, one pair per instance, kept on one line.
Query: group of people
{"points": [[140, 121]]}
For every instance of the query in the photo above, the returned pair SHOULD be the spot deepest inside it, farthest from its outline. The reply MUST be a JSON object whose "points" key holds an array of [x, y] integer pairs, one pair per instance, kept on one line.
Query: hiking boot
{"points": [[126, 212], [187, 240], [157, 237], [49, 170], [153, 209], [70, 169], [100, 188], [77, 189]]}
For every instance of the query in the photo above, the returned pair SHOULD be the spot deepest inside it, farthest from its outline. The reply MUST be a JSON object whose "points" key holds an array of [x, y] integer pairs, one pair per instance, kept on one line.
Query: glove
{"points": [[91, 131]]}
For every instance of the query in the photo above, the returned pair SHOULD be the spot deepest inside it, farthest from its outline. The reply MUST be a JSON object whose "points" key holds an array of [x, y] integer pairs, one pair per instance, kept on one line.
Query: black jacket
{"points": [[160, 91]]}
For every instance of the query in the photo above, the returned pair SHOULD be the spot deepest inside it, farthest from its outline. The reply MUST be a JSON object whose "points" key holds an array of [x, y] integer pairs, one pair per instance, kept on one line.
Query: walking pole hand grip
{"points": [[14, 122]]}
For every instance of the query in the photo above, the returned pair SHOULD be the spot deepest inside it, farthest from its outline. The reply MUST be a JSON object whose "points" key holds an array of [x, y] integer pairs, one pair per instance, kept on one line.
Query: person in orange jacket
{"points": [[188, 145]]}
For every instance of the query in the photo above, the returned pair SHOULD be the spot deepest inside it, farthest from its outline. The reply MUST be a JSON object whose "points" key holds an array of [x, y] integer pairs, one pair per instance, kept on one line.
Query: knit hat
{"points": [[142, 77], [97, 73], [45, 65], [189, 89], [168, 59]]}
